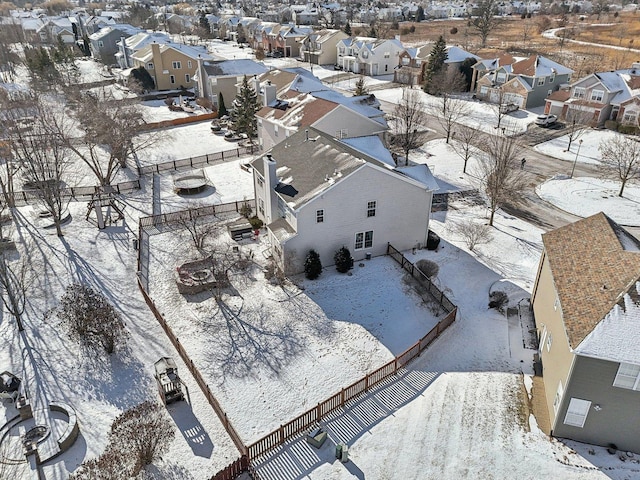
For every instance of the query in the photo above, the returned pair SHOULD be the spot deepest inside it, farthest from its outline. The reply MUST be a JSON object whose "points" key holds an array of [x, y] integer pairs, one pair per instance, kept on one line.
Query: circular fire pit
{"points": [[200, 275]]}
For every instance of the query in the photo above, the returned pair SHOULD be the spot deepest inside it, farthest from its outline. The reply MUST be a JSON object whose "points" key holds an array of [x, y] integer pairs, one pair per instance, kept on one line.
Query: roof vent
{"points": [[604, 287]]}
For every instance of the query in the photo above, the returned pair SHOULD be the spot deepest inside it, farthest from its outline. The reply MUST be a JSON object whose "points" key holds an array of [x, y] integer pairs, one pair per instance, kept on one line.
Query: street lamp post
{"points": [[573, 169]]}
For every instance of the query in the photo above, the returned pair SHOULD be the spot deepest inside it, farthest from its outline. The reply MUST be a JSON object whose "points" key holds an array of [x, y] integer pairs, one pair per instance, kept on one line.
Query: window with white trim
{"points": [[501, 77], [558, 397], [628, 376], [540, 81], [150, 66], [484, 90], [364, 240], [261, 206], [172, 79], [387, 54], [577, 412], [342, 133], [371, 209], [597, 95], [320, 216], [176, 65], [630, 117], [579, 92], [552, 78], [100, 43], [189, 64]]}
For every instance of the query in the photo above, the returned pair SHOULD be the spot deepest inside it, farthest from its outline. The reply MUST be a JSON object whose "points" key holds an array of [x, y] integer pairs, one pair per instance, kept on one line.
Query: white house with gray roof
{"points": [[315, 192], [369, 56]]}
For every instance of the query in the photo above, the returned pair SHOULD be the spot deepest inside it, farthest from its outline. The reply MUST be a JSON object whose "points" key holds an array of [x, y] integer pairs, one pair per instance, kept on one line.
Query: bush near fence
{"points": [[314, 415]]}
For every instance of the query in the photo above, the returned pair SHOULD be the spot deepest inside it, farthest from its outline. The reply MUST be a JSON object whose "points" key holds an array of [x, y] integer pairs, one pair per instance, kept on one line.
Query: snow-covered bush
{"points": [[312, 265], [90, 318], [428, 267], [343, 260], [498, 300]]}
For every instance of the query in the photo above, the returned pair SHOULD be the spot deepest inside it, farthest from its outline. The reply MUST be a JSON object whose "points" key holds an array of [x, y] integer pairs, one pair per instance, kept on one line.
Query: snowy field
{"points": [[157, 111], [588, 144]]}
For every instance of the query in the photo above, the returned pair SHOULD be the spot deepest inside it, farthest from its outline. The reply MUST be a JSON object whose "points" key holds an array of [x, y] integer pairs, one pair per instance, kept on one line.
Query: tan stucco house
{"points": [[586, 301]]}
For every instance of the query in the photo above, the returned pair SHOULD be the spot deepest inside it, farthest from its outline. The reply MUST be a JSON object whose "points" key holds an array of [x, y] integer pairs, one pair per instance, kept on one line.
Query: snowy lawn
{"points": [[272, 352], [157, 111], [588, 150]]}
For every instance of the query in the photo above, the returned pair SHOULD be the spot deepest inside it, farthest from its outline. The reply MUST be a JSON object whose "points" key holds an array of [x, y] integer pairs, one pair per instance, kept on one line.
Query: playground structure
{"points": [[170, 385], [9, 386]]}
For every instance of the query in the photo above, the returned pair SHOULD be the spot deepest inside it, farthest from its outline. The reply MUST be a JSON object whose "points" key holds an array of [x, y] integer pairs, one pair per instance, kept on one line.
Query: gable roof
{"points": [[237, 67], [311, 162], [593, 263], [539, 66], [145, 54]]}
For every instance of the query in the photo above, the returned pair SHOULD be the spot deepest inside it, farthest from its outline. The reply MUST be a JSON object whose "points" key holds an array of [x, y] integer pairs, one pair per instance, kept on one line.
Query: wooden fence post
{"points": [[222, 155]]}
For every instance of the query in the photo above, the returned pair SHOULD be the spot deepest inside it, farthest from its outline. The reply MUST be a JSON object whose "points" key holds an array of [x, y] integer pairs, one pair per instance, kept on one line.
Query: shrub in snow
{"points": [[91, 318], [255, 222], [498, 300], [472, 233], [141, 434], [108, 466], [343, 260], [429, 268], [312, 265], [246, 210]]}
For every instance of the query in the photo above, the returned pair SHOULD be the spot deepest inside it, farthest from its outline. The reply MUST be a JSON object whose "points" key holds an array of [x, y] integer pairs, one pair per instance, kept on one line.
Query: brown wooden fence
{"points": [[27, 197], [196, 162], [429, 286], [174, 122], [311, 417], [314, 415]]}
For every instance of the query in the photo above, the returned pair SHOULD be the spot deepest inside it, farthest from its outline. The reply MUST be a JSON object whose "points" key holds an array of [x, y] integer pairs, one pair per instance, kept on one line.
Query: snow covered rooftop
{"points": [[591, 269], [371, 145], [422, 174], [234, 68]]}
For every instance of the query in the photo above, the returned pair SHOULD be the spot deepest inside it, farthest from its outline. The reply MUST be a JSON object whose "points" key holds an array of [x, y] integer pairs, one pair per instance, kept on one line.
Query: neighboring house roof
{"points": [[123, 27], [458, 55], [142, 39], [372, 146], [560, 96], [227, 68], [593, 262], [297, 110], [422, 174], [539, 66], [146, 54]]}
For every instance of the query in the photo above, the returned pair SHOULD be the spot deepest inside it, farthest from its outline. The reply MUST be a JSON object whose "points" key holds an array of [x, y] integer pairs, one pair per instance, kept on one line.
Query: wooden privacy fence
{"points": [[343, 397], [429, 286], [180, 121], [195, 162], [26, 197]]}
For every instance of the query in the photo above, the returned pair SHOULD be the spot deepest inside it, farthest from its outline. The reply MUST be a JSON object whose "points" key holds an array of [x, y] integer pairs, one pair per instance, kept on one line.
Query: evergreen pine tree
{"points": [[245, 107], [347, 28], [361, 88], [222, 110], [312, 265], [435, 66], [372, 32], [343, 260], [420, 14]]}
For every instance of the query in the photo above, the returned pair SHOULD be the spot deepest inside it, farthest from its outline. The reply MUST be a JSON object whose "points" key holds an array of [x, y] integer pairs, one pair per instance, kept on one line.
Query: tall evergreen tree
{"points": [[436, 66], [347, 28], [245, 107], [361, 88], [222, 109], [420, 14], [312, 265]]}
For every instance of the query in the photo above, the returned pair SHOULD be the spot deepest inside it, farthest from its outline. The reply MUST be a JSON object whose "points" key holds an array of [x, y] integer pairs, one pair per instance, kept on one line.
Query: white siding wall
{"points": [[353, 124], [402, 217]]}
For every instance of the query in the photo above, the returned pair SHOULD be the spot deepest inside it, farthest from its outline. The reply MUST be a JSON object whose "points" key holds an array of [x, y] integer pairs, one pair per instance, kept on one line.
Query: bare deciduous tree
{"points": [[578, 120], [91, 318], [486, 19], [410, 115], [466, 142], [200, 228], [13, 284], [448, 111], [620, 159], [499, 172], [472, 232]]}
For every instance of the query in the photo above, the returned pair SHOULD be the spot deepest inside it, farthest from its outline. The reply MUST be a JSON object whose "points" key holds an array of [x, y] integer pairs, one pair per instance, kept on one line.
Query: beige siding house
{"points": [[586, 302], [319, 48], [172, 66], [315, 192]]}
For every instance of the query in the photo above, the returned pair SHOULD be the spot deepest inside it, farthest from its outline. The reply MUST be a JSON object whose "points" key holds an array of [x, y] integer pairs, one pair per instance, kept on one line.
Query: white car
{"points": [[546, 120]]}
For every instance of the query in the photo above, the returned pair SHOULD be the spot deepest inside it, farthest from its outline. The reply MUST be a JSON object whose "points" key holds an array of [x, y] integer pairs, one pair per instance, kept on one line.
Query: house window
{"points": [[319, 216], [189, 64], [628, 376], [630, 117], [501, 77], [579, 92], [597, 95], [577, 412], [260, 181], [176, 65], [549, 342], [405, 61], [371, 209], [172, 79], [364, 240], [341, 51], [261, 206], [387, 54], [365, 54], [150, 66], [484, 90], [558, 397], [552, 78], [275, 130], [342, 133], [187, 78], [541, 81], [386, 68], [100, 43]]}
